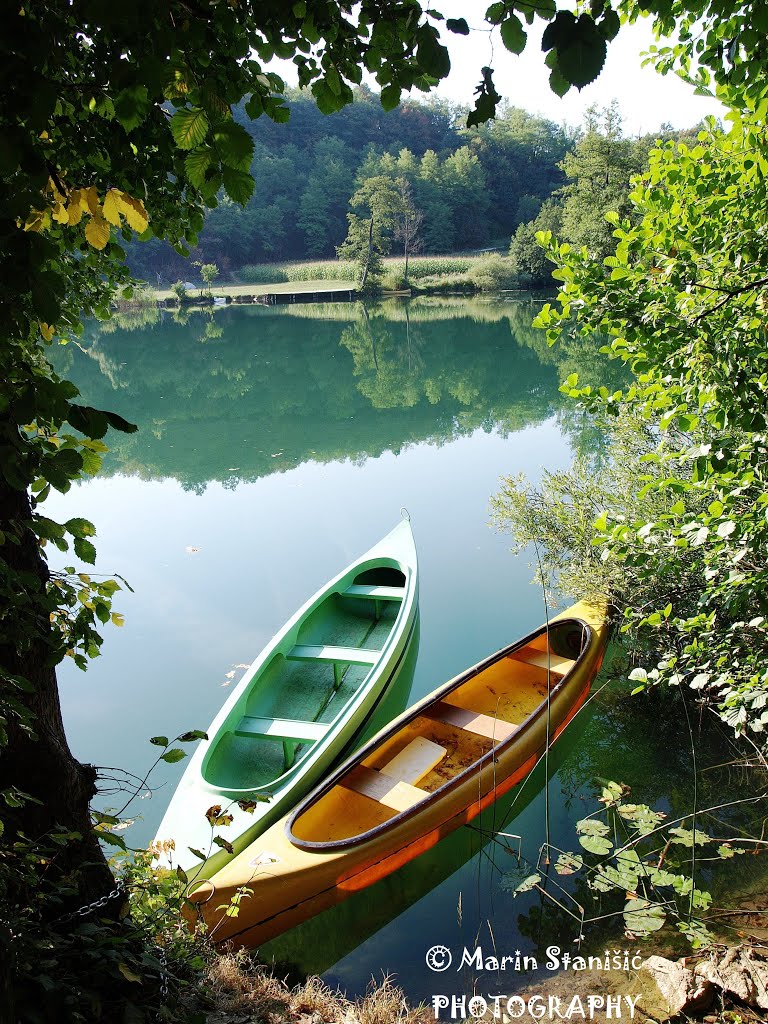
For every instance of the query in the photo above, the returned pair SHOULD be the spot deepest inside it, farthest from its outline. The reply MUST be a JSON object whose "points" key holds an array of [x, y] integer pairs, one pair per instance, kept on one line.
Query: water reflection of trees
{"points": [[285, 385]]}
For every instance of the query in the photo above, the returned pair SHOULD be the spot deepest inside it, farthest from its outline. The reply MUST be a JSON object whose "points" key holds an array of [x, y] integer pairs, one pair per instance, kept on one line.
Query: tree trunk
{"points": [[369, 256], [44, 766]]}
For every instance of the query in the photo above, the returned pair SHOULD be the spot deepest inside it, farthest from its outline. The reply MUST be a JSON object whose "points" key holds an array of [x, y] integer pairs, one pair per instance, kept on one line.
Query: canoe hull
{"points": [[185, 821], [279, 881]]}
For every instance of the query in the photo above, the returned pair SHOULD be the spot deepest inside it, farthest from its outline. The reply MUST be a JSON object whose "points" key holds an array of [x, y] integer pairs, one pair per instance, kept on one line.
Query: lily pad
{"points": [[641, 917]]}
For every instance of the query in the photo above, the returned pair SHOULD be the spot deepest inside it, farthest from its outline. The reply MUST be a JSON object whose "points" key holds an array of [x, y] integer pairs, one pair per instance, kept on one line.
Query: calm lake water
{"points": [[275, 445]]}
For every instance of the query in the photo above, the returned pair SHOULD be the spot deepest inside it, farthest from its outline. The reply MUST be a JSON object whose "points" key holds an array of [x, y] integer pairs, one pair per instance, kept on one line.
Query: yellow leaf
{"points": [[91, 198], [60, 214], [134, 212], [118, 619], [37, 221], [111, 207], [128, 974], [53, 188], [47, 331], [98, 231], [75, 206]]}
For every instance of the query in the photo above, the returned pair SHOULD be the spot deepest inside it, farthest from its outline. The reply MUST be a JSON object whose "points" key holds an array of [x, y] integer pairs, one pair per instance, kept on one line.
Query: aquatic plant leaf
{"points": [[641, 917]]}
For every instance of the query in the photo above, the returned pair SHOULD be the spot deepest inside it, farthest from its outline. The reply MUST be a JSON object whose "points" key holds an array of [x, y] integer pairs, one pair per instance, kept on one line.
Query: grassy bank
{"points": [[426, 275]]}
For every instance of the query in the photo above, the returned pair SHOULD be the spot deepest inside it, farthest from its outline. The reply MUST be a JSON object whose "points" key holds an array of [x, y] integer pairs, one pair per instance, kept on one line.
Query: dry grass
{"points": [[315, 999], [384, 1003], [237, 986]]}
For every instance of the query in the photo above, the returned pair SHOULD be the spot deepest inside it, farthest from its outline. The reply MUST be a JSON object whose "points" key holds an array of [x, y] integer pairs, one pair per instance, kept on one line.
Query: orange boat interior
{"points": [[444, 739]]}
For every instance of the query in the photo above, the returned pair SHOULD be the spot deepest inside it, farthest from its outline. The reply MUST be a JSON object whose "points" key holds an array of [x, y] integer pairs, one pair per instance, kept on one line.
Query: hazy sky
{"points": [[647, 99]]}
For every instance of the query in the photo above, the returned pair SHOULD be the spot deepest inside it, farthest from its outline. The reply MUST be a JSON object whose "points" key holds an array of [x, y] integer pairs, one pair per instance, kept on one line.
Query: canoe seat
{"points": [[321, 652], [553, 662], [291, 733], [393, 785], [377, 593], [483, 725], [280, 729], [337, 656]]}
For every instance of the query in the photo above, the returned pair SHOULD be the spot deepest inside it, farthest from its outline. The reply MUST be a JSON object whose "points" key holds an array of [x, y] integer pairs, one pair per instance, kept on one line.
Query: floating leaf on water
{"points": [[641, 917], [516, 882], [568, 863], [527, 884], [596, 844], [687, 837], [641, 817]]}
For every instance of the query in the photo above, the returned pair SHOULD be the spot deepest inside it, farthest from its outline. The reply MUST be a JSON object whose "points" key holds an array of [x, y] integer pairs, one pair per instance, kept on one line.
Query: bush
{"points": [[491, 273], [393, 281]]}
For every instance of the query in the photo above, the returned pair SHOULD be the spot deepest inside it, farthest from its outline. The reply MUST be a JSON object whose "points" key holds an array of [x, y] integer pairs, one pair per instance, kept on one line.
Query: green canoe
{"points": [[297, 707]]}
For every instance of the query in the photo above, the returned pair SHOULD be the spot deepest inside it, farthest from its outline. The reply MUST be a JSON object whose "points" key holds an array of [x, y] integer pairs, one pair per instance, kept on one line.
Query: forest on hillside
{"points": [[470, 188]]}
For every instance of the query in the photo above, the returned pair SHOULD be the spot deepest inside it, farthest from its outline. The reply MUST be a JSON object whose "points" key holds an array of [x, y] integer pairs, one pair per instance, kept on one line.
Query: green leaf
{"points": [[132, 106], [234, 145], [457, 25], [198, 853], [224, 844], [160, 741], [196, 164], [581, 49], [92, 422], [433, 58], [527, 884], [486, 102], [111, 839], [85, 550], [642, 917], [609, 25], [239, 185], [596, 844], [568, 863], [557, 83], [118, 423], [80, 527], [513, 34], [173, 755], [192, 735], [189, 127], [390, 96]]}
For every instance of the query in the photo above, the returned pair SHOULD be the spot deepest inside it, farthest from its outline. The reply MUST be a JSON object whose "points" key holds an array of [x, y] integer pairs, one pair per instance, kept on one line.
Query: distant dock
{"points": [[264, 294], [281, 298]]}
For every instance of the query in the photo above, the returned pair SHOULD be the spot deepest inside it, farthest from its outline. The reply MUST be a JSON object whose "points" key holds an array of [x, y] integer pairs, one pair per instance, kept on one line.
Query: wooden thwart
{"points": [[553, 662], [393, 786], [483, 725]]}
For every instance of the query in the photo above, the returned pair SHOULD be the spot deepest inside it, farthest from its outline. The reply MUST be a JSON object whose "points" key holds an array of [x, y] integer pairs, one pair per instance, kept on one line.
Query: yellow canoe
{"points": [[434, 768]]}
